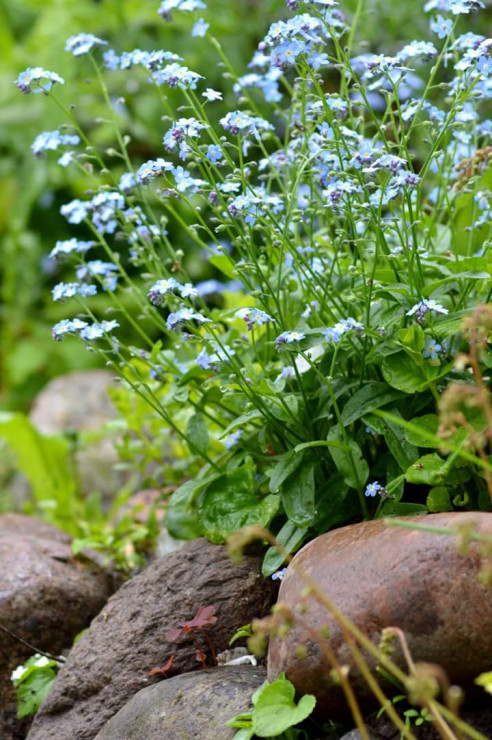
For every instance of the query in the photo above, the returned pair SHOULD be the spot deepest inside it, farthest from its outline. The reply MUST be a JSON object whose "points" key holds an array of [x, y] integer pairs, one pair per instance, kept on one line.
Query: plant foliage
{"points": [[340, 205]]}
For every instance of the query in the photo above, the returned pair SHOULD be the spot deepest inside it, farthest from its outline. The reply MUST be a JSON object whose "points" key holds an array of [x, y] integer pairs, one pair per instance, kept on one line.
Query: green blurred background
{"points": [[33, 33]]}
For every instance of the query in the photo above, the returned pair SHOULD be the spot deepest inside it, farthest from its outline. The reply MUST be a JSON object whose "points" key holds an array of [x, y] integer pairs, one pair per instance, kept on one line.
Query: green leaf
{"points": [[279, 411], [428, 424], [374, 423], [291, 538], [35, 663], [393, 292], [383, 275], [181, 518], [241, 421], [224, 264], [45, 462], [33, 691], [181, 395], [467, 275], [325, 408], [402, 372], [429, 469], [230, 503], [297, 495], [438, 499], [404, 453], [371, 396], [241, 720], [197, 433], [470, 264], [319, 443], [245, 631], [349, 461], [394, 508], [413, 337], [275, 709], [189, 490], [285, 466], [183, 523], [337, 503], [244, 734], [485, 680]]}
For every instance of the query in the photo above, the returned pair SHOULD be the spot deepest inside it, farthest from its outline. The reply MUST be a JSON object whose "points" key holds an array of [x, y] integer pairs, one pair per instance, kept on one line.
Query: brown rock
{"points": [[112, 660], [47, 596], [381, 576], [191, 706]]}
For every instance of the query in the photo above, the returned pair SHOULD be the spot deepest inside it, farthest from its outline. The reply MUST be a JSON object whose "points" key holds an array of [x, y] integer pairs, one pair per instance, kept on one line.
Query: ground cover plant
{"points": [[344, 205]]}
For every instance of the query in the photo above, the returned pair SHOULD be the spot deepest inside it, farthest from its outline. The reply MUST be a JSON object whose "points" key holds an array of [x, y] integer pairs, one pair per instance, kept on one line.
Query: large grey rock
{"points": [[79, 403], [382, 576], [46, 597], [74, 402], [112, 660], [189, 707]]}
